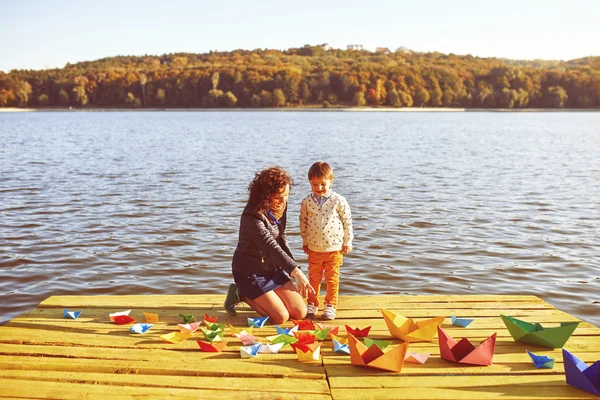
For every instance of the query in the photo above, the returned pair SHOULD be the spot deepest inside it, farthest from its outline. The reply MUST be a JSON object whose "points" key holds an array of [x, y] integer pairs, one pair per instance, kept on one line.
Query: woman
{"points": [[262, 257]]}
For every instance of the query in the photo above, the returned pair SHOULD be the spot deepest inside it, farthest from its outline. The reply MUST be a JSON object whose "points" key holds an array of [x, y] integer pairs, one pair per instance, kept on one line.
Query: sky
{"points": [[40, 34]]}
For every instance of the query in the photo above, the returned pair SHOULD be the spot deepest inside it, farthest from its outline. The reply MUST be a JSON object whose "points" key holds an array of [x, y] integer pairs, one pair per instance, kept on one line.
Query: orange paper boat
{"points": [[408, 329], [208, 318], [374, 357], [464, 352], [304, 325]]}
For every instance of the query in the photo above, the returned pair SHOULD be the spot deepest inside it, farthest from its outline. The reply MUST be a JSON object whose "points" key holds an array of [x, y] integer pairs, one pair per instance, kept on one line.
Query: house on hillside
{"points": [[403, 49], [325, 46], [383, 50], [354, 47]]}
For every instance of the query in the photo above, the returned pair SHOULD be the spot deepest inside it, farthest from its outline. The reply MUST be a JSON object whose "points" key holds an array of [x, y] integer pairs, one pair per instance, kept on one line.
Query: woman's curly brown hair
{"points": [[266, 185]]}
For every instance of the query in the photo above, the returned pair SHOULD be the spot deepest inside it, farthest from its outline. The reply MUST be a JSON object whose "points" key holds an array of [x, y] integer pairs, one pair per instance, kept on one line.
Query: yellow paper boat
{"points": [[175, 337], [410, 331], [234, 330], [312, 353], [374, 357]]}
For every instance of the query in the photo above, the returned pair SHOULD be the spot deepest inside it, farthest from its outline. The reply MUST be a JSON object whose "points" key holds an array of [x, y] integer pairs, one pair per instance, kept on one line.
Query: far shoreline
{"points": [[302, 109]]}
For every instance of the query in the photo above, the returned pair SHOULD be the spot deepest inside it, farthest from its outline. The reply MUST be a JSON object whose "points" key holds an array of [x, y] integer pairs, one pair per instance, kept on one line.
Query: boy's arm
{"points": [[304, 222], [304, 225], [345, 214]]}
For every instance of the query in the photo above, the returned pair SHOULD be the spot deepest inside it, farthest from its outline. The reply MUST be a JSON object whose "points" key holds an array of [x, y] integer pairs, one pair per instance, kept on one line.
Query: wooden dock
{"points": [[43, 355]]}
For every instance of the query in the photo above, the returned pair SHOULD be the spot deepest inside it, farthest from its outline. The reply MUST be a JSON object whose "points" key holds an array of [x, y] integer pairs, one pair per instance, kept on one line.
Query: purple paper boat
{"points": [[580, 375]]}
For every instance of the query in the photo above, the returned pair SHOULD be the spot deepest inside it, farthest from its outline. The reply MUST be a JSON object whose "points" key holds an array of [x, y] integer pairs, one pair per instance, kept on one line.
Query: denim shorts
{"points": [[254, 286]]}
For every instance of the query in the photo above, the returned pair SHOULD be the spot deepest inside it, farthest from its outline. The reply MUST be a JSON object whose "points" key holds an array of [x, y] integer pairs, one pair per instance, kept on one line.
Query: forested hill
{"points": [[308, 76]]}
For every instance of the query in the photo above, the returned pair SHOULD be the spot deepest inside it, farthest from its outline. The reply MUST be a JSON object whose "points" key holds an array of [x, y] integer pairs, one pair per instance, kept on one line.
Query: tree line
{"points": [[307, 77]]}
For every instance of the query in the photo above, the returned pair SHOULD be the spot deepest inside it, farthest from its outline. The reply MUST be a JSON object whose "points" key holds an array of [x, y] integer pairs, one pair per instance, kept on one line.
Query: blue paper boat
{"points": [[461, 321], [286, 331], [71, 314], [257, 322], [140, 328], [340, 348], [541, 361], [580, 375], [250, 351]]}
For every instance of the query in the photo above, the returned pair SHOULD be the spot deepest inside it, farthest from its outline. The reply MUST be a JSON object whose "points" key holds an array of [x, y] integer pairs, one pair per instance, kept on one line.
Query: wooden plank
{"points": [[15, 388]]}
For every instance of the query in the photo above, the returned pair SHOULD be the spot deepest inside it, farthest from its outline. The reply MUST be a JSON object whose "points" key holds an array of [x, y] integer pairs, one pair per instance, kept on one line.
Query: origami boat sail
{"points": [[580, 375], [121, 317], [464, 322], [464, 352], [250, 351], [541, 361], [211, 347], [374, 357], [340, 345], [150, 317], [187, 318], [257, 322], [71, 314], [140, 328], [357, 332], [175, 337], [189, 328], [536, 334], [312, 352], [416, 358]]}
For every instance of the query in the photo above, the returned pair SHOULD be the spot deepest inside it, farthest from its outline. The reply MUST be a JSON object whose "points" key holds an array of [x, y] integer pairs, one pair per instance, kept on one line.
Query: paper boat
{"points": [[374, 357], [189, 328], [340, 345], [312, 352], [416, 358], [208, 318], [271, 348], [286, 331], [537, 335], [150, 317], [334, 330], [187, 318], [541, 361], [175, 337], [246, 338], [140, 328], [121, 317], [71, 314], [410, 331], [250, 351], [282, 338], [580, 375], [257, 322], [304, 325], [211, 347], [235, 330], [464, 352], [357, 332], [463, 322]]}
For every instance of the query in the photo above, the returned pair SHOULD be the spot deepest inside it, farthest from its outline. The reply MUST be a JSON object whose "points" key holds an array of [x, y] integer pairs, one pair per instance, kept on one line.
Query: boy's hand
{"points": [[346, 249], [305, 248]]}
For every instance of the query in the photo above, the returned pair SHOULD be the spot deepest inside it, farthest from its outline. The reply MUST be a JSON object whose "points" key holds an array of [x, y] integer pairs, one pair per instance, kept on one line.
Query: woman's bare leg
{"points": [[272, 305], [294, 303]]}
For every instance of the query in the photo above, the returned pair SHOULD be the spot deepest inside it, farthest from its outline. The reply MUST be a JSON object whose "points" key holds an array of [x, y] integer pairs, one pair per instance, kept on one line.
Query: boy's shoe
{"points": [[232, 300], [328, 312], [311, 310]]}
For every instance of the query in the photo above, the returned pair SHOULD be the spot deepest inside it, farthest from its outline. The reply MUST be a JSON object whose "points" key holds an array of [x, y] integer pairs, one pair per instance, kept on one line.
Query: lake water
{"points": [[443, 203]]}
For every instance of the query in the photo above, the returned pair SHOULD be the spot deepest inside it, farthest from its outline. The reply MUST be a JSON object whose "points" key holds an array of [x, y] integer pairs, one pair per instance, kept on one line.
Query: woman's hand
{"points": [[302, 285]]}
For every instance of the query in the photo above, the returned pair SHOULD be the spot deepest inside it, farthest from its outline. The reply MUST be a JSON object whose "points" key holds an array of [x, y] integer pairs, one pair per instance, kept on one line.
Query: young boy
{"points": [[326, 230]]}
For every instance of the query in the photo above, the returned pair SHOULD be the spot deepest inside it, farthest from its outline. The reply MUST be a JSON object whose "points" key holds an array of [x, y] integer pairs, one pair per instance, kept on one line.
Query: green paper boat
{"points": [[537, 335], [382, 344]]}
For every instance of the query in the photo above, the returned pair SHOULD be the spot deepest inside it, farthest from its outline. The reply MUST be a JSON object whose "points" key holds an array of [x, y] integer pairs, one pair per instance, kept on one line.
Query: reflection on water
{"points": [[443, 203]]}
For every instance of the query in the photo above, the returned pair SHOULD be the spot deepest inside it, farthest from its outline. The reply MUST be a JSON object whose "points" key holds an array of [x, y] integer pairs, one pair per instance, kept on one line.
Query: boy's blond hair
{"points": [[320, 170]]}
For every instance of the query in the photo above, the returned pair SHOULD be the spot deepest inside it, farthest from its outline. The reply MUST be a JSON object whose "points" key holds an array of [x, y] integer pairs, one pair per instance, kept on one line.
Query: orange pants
{"points": [[327, 264]]}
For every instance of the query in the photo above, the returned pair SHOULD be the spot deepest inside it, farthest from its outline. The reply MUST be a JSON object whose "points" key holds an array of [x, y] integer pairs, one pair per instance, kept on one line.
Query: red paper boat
{"points": [[304, 339], [464, 352], [123, 319], [213, 347], [358, 332], [304, 325], [208, 318]]}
